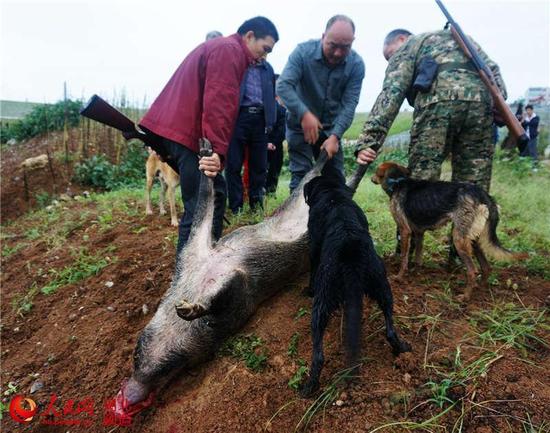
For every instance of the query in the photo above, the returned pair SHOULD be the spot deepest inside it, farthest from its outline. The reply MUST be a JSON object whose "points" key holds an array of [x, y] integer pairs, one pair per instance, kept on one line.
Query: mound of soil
{"points": [[55, 179], [77, 343]]}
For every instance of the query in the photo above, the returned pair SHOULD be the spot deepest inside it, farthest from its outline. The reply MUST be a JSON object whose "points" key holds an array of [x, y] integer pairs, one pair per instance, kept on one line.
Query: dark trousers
{"points": [[530, 149], [190, 175], [274, 166], [249, 133]]}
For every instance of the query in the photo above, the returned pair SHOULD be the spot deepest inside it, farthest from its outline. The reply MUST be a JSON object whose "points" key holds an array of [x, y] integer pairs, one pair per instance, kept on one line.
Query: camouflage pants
{"points": [[459, 128]]}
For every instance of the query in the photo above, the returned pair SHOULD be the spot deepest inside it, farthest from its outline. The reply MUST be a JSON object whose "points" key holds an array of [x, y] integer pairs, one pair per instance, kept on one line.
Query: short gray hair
{"points": [[344, 18], [390, 37], [213, 34]]}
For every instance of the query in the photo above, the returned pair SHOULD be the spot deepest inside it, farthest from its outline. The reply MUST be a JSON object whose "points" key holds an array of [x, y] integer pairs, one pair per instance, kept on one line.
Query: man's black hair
{"points": [[344, 18], [261, 27], [528, 106], [395, 33]]}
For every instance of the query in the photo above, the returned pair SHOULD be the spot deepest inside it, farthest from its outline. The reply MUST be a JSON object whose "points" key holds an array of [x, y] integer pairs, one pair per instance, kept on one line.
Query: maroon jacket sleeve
{"points": [[224, 71]]}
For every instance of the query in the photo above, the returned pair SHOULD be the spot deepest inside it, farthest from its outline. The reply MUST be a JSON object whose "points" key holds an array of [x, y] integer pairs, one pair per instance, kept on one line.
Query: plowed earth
{"points": [[78, 341]]}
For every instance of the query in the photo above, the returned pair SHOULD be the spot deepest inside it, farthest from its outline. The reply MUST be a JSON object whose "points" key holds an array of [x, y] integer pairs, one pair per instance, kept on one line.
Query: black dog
{"points": [[344, 268]]}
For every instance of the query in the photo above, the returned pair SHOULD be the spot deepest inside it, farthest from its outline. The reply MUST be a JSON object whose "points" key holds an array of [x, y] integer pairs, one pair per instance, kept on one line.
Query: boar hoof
{"points": [[188, 311]]}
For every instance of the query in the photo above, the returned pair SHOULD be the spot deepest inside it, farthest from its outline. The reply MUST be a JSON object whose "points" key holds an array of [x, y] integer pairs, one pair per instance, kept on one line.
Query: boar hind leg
{"points": [[230, 296], [188, 311]]}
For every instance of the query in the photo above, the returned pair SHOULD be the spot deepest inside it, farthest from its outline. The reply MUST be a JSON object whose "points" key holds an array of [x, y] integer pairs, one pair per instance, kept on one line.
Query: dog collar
{"points": [[392, 183]]}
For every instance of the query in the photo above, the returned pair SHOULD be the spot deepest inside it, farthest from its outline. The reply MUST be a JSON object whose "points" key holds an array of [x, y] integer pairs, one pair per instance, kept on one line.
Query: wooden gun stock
{"points": [[101, 111], [487, 77], [503, 109]]}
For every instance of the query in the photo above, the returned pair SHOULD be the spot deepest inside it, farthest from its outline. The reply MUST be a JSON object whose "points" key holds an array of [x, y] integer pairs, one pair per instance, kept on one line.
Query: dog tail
{"points": [[488, 240]]}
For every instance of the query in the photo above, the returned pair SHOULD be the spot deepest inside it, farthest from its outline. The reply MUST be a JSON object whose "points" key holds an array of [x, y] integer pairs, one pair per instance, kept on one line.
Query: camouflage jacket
{"points": [[449, 85]]}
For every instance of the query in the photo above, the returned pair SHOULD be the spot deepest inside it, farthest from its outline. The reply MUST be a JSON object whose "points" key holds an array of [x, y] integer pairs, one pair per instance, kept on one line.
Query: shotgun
{"points": [[101, 111], [508, 118]]}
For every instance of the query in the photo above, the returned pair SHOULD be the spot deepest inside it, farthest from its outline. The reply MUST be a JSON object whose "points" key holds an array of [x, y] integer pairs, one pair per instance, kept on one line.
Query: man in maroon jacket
{"points": [[202, 100]]}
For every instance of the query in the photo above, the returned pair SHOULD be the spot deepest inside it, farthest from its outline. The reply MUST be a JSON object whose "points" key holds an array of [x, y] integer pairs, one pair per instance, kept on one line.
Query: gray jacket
{"points": [[308, 83]]}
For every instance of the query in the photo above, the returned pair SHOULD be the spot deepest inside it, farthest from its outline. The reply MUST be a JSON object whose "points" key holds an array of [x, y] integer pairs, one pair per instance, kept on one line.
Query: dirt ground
{"points": [[78, 342]]}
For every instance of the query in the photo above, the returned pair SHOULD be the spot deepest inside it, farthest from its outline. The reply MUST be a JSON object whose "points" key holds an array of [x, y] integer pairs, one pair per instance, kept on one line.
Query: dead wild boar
{"points": [[216, 288]]}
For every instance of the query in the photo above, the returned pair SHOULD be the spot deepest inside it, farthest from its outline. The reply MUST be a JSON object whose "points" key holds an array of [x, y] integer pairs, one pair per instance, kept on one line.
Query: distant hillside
{"points": [[12, 110]]}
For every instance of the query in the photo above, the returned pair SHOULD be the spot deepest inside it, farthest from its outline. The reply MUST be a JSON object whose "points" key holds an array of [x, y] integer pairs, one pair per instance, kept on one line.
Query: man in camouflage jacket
{"points": [[454, 116]]}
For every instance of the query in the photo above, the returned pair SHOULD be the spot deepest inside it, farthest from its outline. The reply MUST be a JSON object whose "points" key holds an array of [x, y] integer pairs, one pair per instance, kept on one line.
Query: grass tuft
{"points": [[247, 348]]}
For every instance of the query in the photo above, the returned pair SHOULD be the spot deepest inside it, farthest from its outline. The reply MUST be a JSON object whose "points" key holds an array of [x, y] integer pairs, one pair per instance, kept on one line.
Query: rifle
{"points": [[101, 111], [487, 77]]}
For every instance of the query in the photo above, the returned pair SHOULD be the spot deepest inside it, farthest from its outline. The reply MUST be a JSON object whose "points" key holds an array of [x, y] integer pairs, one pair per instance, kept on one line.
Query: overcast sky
{"points": [[113, 46]]}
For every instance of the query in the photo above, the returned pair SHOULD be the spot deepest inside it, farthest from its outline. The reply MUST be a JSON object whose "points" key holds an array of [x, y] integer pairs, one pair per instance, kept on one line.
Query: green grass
{"points": [[84, 266], [298, 377], [402, 123], [302, 311], [247, 348], [22, 304], [8, 251], [326, 398], [292, 350], [11, 389], [510, 324], [524, 211]]}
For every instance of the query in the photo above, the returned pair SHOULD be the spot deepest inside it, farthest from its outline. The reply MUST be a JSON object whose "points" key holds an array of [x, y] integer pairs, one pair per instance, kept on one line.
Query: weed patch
{"points": [[512, 325], [292, 350], [8, 251], [247, 348], [84, 266], [23, 304], [295, 381], [302, 311], [327, 397]]}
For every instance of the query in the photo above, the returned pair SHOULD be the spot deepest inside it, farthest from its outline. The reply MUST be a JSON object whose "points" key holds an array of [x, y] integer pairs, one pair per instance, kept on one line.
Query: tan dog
{"points": [[169, 180], [419, 205]]}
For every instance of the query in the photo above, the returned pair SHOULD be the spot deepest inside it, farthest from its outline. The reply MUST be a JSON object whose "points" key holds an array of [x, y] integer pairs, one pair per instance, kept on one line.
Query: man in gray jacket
{"points": [[320, 87]]}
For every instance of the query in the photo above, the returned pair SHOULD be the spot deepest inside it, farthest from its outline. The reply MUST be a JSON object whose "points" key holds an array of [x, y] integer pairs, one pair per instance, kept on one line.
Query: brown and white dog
{"points": [[169, 180], [419, 205]]}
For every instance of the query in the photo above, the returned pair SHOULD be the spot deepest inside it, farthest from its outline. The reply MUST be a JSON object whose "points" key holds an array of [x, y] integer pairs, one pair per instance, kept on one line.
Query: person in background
{"points": [[530, 123], [275, 148], [213, 35], [257, 115]]}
